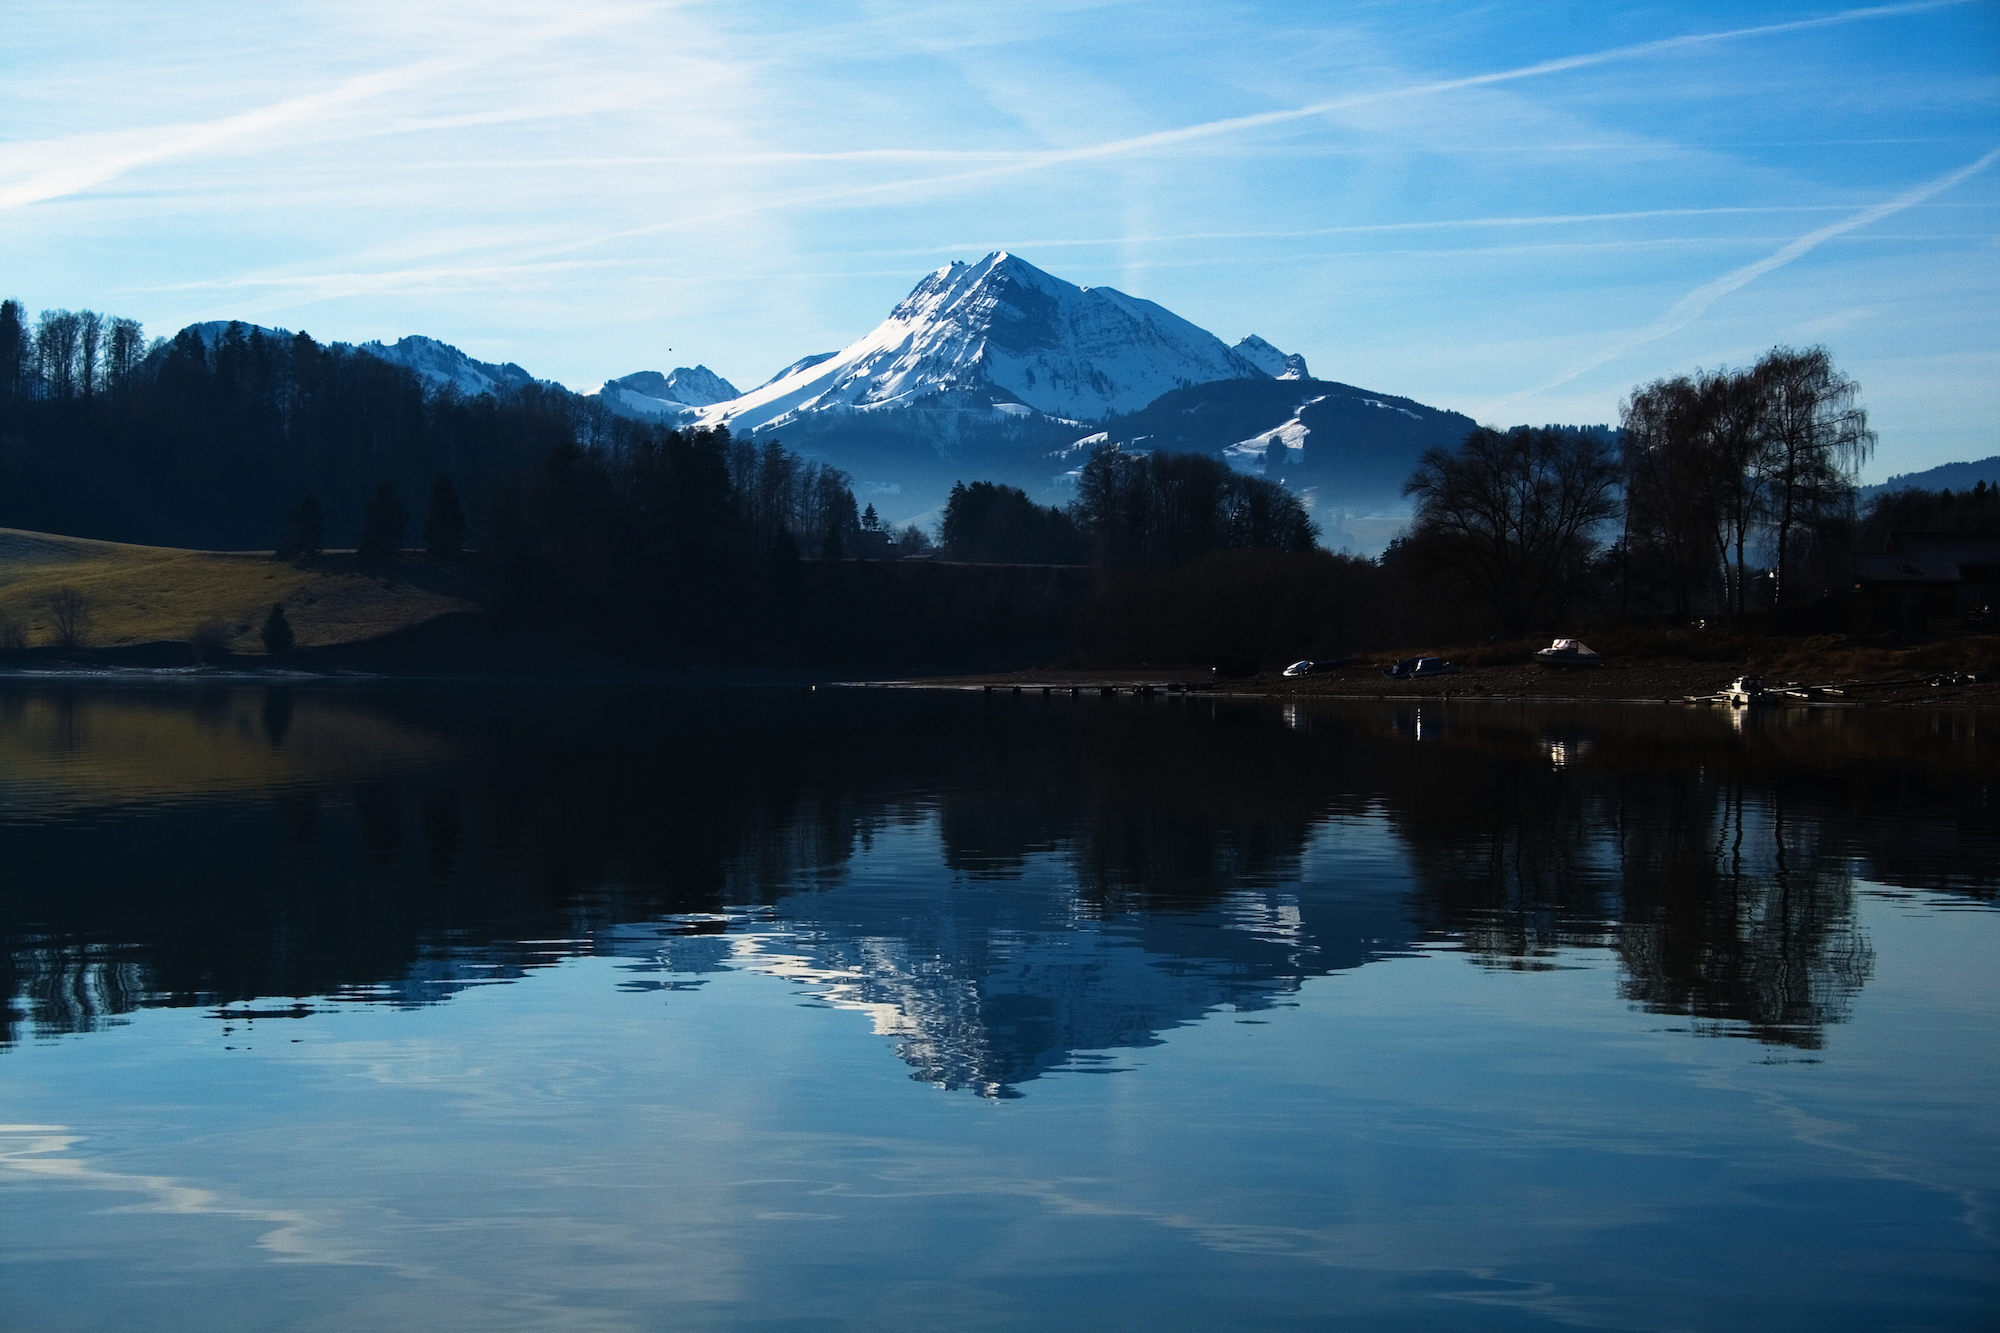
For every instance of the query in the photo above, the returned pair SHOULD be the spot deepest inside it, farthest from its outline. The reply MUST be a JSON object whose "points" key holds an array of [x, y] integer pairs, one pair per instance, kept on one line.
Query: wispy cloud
{"points": [[39, 171], [1695, 304], [1159, 140]]}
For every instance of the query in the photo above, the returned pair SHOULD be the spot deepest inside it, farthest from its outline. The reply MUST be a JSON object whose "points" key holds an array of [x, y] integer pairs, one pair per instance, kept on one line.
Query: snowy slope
{"points": [[438, 365], [441, 366], [1254, 454], [673, 397], [214, 331], [1000, 337], [801, 364]]}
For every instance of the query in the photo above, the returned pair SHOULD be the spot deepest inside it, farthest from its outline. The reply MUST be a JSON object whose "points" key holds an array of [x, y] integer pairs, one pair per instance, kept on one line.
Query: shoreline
{"points": [[1631, 683], [1676, 683]]}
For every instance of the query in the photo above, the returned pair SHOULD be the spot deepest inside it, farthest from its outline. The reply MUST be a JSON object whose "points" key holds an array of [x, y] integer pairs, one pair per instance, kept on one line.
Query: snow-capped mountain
{"points": [[1270, 360], [1002, 338], [673, 397], [440, 366], [1345, 451], [999, 371]]}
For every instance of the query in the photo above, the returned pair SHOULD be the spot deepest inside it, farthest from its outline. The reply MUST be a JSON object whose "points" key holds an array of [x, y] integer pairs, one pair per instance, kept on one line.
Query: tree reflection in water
{"points": [[1001, 883]]}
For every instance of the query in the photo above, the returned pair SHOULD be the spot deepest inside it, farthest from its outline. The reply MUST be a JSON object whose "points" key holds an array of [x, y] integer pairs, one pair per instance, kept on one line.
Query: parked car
{"points": [[1320, 667], [1413, 668]]}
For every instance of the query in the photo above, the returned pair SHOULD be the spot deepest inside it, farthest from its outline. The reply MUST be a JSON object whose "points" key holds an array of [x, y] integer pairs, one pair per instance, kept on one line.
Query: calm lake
{"points": [[595, 1008]]}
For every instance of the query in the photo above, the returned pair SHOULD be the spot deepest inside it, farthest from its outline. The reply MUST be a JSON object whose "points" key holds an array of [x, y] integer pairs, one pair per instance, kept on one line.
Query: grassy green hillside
{"points": [[141, 594]]}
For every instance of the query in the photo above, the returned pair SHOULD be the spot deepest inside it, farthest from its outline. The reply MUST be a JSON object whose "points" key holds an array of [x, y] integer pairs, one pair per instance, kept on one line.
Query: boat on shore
{"points": [[1747, 692], [1567, 654]]}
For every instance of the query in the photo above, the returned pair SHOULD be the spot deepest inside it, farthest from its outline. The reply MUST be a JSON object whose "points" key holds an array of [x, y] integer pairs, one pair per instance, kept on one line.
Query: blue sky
{"points": [[1517, 211]]}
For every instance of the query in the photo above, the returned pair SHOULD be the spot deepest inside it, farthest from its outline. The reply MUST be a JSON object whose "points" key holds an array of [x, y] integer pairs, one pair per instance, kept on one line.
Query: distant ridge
{"points": [[1945, 476], [440, 366], [997, 370], [675, 397]]}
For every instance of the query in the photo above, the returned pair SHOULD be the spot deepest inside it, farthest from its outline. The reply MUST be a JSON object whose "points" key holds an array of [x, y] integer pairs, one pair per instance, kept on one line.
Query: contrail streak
{"points": [[1035, 161], [1237, 124], [1696, 303], [52, 169]]}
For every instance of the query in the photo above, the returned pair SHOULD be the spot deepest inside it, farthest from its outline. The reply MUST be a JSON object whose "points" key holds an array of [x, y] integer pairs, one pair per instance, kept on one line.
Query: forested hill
{"points": [[1355, 446], [206, 442]]}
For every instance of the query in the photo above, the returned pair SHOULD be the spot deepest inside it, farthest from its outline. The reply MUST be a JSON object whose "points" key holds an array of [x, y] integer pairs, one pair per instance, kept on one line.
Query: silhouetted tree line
{"points": [[215, 437], [1717, 461], [689, 542], [1710, 474], [226, 436], [1167, 509], [1914, 509], [1132, 510], [994, 524]]}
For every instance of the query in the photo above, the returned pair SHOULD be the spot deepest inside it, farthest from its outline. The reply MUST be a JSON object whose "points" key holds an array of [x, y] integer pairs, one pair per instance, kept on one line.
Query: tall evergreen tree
{"points": [[125, 346], [444, 521], [13, 351], [277, 632], [304, 532], [383, 525]]}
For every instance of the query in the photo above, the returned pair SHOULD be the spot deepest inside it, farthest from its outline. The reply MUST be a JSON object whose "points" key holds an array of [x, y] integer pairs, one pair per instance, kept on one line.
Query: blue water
{"points": [[777, 1009]]}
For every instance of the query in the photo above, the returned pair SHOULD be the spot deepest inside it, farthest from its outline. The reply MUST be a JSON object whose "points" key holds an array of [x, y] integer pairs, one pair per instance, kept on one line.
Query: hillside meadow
{"points": [[150, 594]]}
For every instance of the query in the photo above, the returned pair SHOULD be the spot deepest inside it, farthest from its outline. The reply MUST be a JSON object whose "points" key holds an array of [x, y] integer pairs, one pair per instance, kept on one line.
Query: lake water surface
{"points": [[469, 1007]]}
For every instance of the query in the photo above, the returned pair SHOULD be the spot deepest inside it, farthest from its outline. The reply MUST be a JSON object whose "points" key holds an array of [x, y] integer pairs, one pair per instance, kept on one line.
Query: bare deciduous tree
{"points": [[1514, 515], [1713, 459], [1670, 494], [69, 618], [1732, 409], [1814, 437], [89, 351], [56, 336]]}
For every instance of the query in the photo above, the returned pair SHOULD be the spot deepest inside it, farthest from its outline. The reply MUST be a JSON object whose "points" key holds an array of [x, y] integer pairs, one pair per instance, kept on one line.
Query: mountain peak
{"points": [[690, 386], [1001, 337], [441, 366], [1270, 361], [675, 396]]}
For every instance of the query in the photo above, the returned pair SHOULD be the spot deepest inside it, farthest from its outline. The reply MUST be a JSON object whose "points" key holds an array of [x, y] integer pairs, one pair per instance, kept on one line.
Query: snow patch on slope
{"points": [[1388, 407], [441, 366], [1253, 454]]}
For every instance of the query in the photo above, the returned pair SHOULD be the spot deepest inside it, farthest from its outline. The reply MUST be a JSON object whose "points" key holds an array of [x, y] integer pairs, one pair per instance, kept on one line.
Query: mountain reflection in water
{"points": [[1006, 886]]}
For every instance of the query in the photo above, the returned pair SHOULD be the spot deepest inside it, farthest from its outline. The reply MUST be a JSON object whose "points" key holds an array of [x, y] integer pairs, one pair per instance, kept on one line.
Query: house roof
{"points": [[1904, 569]]}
